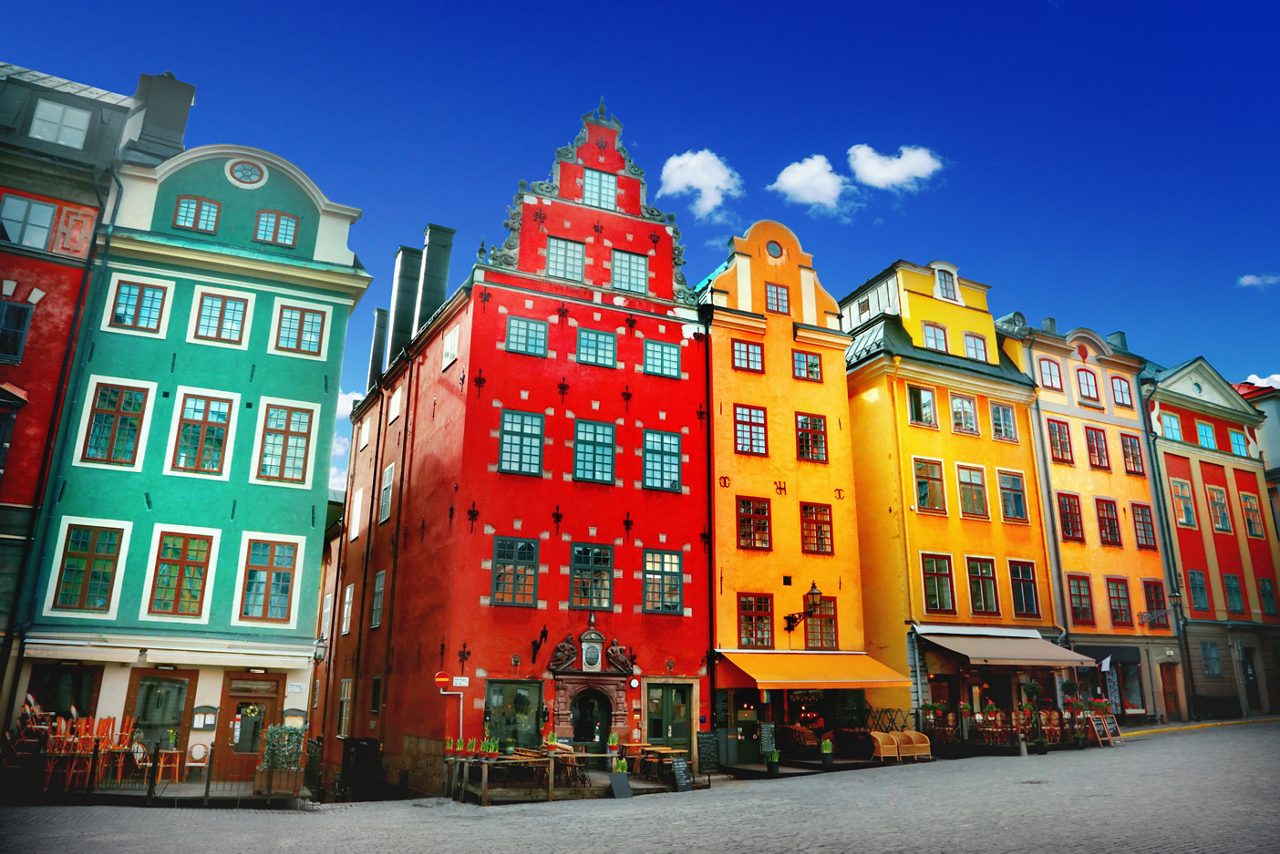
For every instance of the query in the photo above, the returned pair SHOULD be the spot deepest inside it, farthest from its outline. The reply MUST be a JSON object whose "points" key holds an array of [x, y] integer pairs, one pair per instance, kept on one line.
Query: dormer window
{"points": [[275, 227], [946, 285], [935, 337], [600, 189], [975, 346], [197, 214], [60, 124], [26, 222]]}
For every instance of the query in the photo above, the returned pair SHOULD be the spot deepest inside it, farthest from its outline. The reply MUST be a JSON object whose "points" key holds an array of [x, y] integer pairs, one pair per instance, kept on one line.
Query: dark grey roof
{"points": [[58, 84], [885, 335]]}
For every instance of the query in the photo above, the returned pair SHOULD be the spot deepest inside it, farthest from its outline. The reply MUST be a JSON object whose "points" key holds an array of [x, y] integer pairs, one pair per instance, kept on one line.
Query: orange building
{"points": [[787, 587], [950, 526]]}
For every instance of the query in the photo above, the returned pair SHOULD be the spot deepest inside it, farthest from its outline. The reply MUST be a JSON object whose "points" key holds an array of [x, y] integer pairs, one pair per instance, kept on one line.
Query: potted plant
{"points": [[990, 709], [966, 710], [447, 750], [281, 770], [828, 748], [772, 760], [173, 738], [620, 765], [613, 744]]}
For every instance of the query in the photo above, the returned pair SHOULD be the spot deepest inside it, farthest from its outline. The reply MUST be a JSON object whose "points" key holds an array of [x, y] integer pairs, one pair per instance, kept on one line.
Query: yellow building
{"points": [[954, 565], [1104, 537], [787, 588]]}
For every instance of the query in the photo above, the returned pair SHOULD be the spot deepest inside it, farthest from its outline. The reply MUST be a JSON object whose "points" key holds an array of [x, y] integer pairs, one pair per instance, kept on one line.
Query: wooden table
{"points": [[170, 761]]}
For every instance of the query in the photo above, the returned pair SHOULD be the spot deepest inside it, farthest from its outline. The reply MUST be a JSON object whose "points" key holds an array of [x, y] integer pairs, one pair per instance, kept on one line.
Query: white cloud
{"points": [[904, 172], [1272, 381], [338, 478], [1253, 281], [347, 400], [341, 444], [704, 173], [338, 460], [811, 181]]}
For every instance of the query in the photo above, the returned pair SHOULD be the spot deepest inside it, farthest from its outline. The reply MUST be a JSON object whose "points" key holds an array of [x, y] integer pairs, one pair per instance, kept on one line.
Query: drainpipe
{"points": [[712, 600]]}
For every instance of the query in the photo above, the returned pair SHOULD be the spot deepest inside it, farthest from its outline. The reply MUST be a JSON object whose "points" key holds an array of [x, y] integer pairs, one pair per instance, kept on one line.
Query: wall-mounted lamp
{"points": [[812, 604]]}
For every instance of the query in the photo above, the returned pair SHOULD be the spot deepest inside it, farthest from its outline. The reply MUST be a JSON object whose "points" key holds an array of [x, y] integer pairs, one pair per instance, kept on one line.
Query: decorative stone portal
{"points": [[581, 692]]}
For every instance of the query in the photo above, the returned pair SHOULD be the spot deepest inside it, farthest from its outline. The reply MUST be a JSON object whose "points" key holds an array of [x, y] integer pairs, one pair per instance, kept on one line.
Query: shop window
{"points": [[1081, 599], [816, 533], [520, 443], [1153, 592], [1234, 596], [526, 336], [515, 572], [1050, 374], [1184, 510], [939, 594], [1218, 511], [86, 576], [591, 577], [1212, 658], [663, 582], [755, 621], [921, 407], [661, 461], [629, 272], [750, 430], [597, 348], [1025, 601], [982, 586], [1060, 442], [1108, 522], [1118, 599], [1096, 440], [929, 486], [748, 356], [1131, 447], [820, 628], [964, 414], [565, 259], [1198, 587], [1069, 517], [811, 437], [754, 523], [806, 366], [1002, 423], [512, 711], [177, 583], [1144, 527], [593, 451], [1013, 497]]}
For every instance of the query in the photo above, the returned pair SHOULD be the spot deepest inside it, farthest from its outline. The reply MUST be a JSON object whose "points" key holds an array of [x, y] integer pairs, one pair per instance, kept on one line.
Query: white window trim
{"points": [[260, 432], [193, 323], [277, 309], [955, 282], [344, 619], [386, 490], [51, 594], [295, 591], [214, 535], [86, 416], [380, 575], [170, 288], [228, 456], [364, 434], [394, 403], [449, 348], [357, 508], [326, 616]]}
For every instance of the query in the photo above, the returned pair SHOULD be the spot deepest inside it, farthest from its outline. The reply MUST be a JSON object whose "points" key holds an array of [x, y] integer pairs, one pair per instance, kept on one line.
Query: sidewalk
{"points": [[1181, 726]]}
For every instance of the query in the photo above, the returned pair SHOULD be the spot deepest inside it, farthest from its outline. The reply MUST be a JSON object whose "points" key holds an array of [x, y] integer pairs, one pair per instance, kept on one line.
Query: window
{"points": [[661, 460], [964, 414], [662, 360], [197, 214], [975, 346], [816, 529], [1171, 426], [1252, 515], [597, 348], [811, 437], [344, 708], [326, 615], [1121, 392], [375, 694], [777, 298], [1144, 527], [301, 331], [88, 571], [60, 124], [384, 494], [1023, 576], [755, 621], [1157, 610], [357, 511], [177, 587], [275, 227], [1199, 589], [221, 318], [593, 451], [1069, 514], [1002, 423], [1218, 511], [820, 628], [449, 348], [286, 443], [1184, 510], [1108, 522], [1231, 589], [591, 577], [973, 491], [1238, 446], [1088, 382], [600, 189], [935, 337], [630, 272], [565, 259], [26, 222], [268, 582], [1205, 437], [920, 406], [1267, 593], [806, 366], [938, 595], [1118, 599], [115, 422], [515, 572], [946, 284], [1013, 497], [520, 443], [1131, 448], [364, 433], [202, 434], [982, 586], [1081, 599], [348, 595], [1212, 658], [1096, 440], [753, 523], [1050, 374], [393, 405], [929, 488], [138, 307], [663, 582], [526, 336], [1060, 442], [15, 317], [748, 356]]}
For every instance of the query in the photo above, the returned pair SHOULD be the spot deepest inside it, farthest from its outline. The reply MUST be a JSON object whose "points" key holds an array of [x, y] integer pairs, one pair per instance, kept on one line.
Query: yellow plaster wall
{"points": [[920, 305]]}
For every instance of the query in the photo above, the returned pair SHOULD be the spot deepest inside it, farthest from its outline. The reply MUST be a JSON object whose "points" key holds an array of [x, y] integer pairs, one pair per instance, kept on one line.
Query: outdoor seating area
{"points": [[900, 746], [1000, 729]]}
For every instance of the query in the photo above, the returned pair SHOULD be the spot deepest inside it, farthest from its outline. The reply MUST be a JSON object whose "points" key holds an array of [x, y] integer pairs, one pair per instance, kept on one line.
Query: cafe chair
{"points": [[883, 746], [197, 757]]}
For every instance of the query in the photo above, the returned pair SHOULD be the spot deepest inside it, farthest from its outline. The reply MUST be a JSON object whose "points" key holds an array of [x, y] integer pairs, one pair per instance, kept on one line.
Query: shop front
{"points": [[1123, 676]]}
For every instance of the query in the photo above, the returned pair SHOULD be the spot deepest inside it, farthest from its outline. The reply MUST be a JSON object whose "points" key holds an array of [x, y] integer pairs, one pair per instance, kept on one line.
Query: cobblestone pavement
{"points": [[1210, 789]]}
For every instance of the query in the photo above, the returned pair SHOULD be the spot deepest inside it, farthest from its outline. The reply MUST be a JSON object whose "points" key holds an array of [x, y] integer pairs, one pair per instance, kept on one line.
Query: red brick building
{"points": [[527, 503]]}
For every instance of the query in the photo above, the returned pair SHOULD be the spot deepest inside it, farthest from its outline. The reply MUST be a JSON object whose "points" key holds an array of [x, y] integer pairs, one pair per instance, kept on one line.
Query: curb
{"points": [[1207, 725]]}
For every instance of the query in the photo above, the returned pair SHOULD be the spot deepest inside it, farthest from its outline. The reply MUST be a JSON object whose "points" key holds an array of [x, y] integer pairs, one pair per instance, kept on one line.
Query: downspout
{"points": [[357, 673], [712, 599], [78, 317]]}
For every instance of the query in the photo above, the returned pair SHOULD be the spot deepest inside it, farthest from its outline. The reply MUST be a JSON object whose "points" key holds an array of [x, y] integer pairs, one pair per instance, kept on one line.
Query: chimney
{"points": [[379, 344], [1050, 324], [434, 278], [1118, 340], [408, 262], [155, 129]]}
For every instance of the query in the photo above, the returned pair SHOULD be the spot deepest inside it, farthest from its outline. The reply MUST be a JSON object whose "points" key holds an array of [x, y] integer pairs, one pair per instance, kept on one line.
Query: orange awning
{"points": [[771, 670]]}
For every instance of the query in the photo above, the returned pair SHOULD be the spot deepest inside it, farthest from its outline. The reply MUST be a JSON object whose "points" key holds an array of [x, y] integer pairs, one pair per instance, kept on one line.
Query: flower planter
{"points": [[278, 781], [771, 768], [828, 761]]}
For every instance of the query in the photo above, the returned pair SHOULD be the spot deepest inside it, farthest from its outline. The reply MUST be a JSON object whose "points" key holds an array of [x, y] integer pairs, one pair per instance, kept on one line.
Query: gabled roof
{"points": [[885, 335], [1196, 384], [9, 71]]}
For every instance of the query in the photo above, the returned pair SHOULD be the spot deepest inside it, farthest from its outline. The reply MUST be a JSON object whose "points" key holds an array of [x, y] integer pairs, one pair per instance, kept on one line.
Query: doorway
{"points": [[161, 700], [590, 713], [251, 702], [669, 715], [1248, 655], [1169, 689]]}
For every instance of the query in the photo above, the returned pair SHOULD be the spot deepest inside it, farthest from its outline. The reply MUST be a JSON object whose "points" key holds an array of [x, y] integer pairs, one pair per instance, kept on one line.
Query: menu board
{"points": [[619, 785], [708, 752], [1099, 730], [683, 773], [767, 742], [1113, 728]]}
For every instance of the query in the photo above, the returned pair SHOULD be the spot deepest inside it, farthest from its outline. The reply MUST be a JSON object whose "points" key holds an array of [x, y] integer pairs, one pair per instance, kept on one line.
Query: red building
{"points": [[527, 505]]}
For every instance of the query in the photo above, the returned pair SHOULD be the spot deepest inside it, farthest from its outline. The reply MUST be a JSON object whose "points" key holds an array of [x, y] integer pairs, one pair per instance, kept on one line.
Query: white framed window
{"points": [[269, 580], [27, 222], [115, 423], [375, 608], [357, 511], [87, 570], [565, 258], [179, 578], [393, 405], [138, 305], [300, 329], [202, 433], [284, 444], [60, 124], [348, 596], [600, 189], [630, 272], [364, 433], [326, 616], [220, 317], [944, 283], [384, 495], [449, 348]]}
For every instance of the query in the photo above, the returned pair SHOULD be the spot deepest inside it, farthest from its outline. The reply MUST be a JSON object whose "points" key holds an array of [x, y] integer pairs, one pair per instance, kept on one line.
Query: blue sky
{"points": [[1111, 167]]}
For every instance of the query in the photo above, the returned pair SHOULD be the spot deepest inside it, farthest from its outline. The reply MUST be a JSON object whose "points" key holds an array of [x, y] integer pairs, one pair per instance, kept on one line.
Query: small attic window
{"points": [[59, 124], [246, 174], [946, 284], [1199, 389], [774, 248], [600, 189]]}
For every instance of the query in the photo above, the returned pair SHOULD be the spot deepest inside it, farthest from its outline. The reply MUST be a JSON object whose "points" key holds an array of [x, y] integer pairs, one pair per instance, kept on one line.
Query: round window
{"points": [[246, 173], [774, 249]]}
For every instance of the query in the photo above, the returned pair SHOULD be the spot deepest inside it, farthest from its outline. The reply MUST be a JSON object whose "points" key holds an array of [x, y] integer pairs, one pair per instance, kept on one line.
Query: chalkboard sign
{"points": [[619, 785], [1099, 730], [1113, 687], [1113, 728], [708, 753], [683, 773], [767, 742]]}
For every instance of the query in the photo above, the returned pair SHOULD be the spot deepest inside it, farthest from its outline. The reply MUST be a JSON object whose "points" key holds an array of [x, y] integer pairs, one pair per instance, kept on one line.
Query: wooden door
{"points": [[1169, 687], [250, 703], [669, 716]]}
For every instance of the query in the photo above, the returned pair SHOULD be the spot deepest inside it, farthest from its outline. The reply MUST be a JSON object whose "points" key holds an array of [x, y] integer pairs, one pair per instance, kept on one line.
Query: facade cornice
{"points": [[738, 321], [803, 333], [1209, 455], [1249, 415], [934, 375]]}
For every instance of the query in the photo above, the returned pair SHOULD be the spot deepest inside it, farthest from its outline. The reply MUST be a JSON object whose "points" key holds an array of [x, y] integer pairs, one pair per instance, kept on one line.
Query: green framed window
{"points": [[1199, 590], [565, 258], [662, 460], [526, 336], [597, 348], [520, 443], [600, 189], [593, 451], [591, 577], [1267, 592], [630, 272], [661, 359], [663, 582], [515, 572], [1231, 588]]}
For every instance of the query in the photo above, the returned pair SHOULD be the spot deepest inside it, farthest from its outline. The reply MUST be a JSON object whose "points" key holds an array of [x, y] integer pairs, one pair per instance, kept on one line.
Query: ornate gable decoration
{"points": [[1199, 382]]}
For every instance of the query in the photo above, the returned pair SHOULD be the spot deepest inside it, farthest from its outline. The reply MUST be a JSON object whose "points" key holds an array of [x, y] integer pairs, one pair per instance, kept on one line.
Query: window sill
{"points": [[924, 424]]}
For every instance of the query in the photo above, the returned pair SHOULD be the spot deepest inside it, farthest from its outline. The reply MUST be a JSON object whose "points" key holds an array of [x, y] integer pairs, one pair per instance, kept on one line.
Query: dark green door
{"points": [[670, 713]]}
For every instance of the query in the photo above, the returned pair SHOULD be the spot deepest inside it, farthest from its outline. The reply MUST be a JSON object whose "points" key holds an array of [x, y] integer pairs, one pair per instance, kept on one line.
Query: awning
{"points": [[1010, 652], [772, 670]]}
